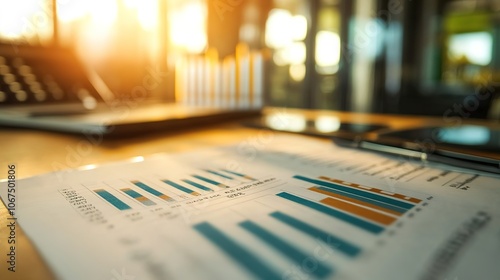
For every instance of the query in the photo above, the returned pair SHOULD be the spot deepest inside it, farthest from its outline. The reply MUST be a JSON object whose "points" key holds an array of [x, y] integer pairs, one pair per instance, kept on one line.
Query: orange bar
{"points": [[353, 200], [374, 190], [165, 197], [358, 210]]}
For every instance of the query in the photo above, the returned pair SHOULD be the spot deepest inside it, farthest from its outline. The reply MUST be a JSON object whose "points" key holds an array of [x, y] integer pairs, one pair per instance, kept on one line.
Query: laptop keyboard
{"points": [[44, 78]]}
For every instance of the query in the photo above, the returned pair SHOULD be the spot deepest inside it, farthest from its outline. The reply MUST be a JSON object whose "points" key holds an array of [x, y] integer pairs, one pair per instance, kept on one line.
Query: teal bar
{"points": [[218, 174], [238, 174], [373, 196], [132, 193], [234, 173], [147, 188], [240, 254], [177, 186], [152, 191], [355, 221], [135, 195], [212, 182], [196, 185], [120, 205], [362, 198], [331, 240], [287, 249]]}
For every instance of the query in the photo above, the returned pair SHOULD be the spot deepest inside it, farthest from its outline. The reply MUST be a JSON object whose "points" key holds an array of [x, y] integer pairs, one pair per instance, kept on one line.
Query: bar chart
{"points": [[262, 225], [273, 235], [151, 192], [367, 208], [367, 211]]}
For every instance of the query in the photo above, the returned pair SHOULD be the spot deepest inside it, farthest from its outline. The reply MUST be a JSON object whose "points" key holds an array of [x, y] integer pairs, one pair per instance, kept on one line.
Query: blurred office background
{"points": [[384, 56]]}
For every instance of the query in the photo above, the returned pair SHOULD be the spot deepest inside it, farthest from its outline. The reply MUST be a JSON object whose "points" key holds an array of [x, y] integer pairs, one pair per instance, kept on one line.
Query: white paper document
{"points": [[279, 207]]}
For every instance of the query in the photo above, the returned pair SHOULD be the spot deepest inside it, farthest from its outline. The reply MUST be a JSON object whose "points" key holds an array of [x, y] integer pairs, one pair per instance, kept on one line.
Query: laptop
{"points": [[50, 89]]}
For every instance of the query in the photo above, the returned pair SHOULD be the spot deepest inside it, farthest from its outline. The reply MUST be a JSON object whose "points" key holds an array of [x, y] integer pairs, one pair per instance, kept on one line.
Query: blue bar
{"points": [[287, 249], [219, 174], [368, 226], [120, 205], [147, 188], [362, 198], [132, 193], [177, 186], [331, 240], [234, 173], [244, 257], [139, 197], [210, 181], [196, 185], [238, 174], [373, 196]]}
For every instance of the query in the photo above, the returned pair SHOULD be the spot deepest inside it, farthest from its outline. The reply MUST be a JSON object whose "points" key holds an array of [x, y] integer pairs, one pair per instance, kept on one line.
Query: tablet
{"points": [[468, 146]]}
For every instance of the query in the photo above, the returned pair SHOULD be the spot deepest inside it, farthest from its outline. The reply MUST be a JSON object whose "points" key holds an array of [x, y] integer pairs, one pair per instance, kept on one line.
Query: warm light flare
{"points": [[105, 13], [24, 19], [187, 27], [102, 13], [147, 12]]}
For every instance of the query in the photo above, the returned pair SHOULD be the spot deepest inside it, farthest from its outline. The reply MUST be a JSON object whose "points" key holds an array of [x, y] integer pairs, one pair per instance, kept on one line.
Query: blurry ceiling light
{"points": [[476, 47], [297, 72], [295, 53], [327, 124], [299, 27], [327, 52], [278, 31]]}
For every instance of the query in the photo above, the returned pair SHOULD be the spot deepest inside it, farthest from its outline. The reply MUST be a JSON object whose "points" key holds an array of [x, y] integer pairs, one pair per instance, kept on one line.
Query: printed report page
{"points": [[290, 207]]}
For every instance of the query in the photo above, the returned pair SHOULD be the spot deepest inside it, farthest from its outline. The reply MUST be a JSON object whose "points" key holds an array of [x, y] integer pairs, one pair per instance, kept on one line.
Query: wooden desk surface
{"points": [[39, 152]]}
